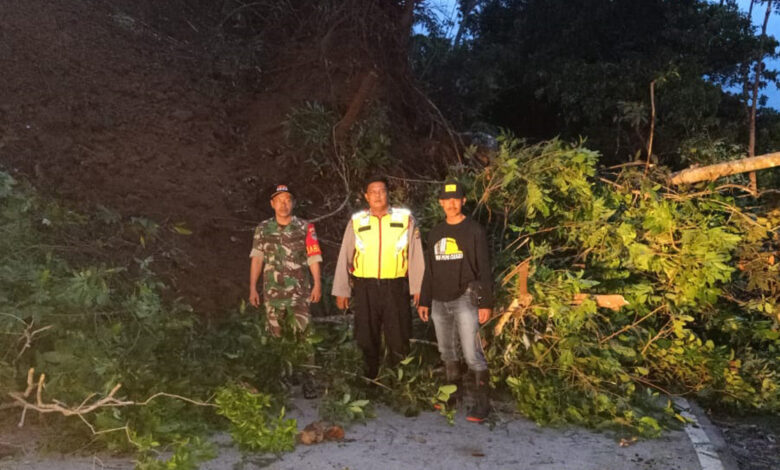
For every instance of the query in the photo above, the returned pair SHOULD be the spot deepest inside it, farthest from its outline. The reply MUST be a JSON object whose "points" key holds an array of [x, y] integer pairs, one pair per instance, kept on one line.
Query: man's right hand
{"points": [[423, 313], [342, 302], [254, 298]]}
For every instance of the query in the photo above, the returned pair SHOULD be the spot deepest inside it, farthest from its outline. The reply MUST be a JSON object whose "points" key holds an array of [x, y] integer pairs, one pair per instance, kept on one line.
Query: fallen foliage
{"points": [[692, 322]]}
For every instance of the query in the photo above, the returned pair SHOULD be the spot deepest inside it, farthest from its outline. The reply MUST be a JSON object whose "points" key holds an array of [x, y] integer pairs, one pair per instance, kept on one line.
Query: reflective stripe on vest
{"points": [[381, 245]]}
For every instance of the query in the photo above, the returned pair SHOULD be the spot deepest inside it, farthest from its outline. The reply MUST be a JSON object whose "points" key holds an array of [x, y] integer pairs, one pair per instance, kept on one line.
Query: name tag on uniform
{"points": [[396, 224], [363, 229]]}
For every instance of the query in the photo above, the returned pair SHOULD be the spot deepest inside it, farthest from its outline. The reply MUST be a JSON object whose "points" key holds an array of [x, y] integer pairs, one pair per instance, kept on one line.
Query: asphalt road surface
{"points": [[391, 441]]}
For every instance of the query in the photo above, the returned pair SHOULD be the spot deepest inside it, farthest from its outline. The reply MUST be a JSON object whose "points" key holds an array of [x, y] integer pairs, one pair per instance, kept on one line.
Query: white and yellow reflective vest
{"points": [[381, 244]]}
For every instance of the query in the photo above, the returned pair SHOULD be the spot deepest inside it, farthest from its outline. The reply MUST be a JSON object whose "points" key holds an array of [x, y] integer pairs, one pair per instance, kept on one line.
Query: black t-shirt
{"points": [[455, 256]]}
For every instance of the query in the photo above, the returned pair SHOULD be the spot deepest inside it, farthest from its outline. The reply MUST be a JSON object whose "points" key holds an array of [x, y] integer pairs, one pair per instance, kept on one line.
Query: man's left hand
{"points": [[484, 315], [416, 299], [316, 294], [423, 312]]}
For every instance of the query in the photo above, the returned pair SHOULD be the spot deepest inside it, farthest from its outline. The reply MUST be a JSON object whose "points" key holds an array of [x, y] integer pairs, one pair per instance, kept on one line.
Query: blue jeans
{"points": [[458, 320]]}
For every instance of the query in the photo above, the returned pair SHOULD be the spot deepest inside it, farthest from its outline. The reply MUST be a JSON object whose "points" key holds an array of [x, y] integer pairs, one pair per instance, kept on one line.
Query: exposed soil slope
{"points": [[97, 106], [169, 110]]}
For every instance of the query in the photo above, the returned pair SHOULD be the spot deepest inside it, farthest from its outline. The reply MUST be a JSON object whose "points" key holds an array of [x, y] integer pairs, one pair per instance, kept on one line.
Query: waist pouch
{"points": [[476, 292]]}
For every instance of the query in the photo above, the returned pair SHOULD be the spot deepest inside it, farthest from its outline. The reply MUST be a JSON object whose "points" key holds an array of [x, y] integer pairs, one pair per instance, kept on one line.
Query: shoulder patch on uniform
{"points": [[312, 244], [311, 231]]}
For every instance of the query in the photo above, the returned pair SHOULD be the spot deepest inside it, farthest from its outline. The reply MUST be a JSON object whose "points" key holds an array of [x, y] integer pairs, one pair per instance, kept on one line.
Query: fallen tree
{"points": [[700, 291], [719, 170]]}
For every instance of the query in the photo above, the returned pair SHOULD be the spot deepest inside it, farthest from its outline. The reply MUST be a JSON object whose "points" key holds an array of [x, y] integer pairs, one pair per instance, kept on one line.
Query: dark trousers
{"points": [[381, 305]]}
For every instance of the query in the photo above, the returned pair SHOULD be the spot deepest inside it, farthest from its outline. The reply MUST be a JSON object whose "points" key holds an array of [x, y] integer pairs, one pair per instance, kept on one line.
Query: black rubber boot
{"points": [[481, 408], [453, 377]]}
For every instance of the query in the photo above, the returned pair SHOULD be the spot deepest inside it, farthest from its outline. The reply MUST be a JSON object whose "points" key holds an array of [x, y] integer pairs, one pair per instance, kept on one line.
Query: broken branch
{"points": [[713, 172]]}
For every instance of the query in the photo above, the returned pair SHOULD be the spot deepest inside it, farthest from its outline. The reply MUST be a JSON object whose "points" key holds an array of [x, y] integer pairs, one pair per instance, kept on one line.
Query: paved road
{"points": [[391, 441]]}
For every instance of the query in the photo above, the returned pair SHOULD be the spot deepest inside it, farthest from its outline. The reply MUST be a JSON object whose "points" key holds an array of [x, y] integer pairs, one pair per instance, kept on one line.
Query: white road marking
{"points": [[705, 450]]}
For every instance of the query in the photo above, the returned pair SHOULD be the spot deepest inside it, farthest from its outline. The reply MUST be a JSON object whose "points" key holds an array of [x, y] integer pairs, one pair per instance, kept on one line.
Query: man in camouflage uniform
{"points": [[283, 245]]}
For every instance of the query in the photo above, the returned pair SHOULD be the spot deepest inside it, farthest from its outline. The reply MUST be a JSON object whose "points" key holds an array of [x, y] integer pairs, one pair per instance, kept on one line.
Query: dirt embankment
{"points": [[173, 110], [98, 105]]}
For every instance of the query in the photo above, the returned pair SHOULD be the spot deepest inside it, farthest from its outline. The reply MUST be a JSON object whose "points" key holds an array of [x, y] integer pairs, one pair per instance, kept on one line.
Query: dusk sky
{"points": [[773, 29]]}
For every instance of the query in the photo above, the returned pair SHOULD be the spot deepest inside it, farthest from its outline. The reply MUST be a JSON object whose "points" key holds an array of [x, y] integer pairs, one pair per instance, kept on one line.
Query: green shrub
{"points": [[89, 326], [187, 455], [254, 424], [342, 409]]}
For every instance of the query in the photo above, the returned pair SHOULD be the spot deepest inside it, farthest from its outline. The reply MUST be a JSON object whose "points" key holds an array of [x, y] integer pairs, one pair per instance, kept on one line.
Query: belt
{"points": [[378, 282]]}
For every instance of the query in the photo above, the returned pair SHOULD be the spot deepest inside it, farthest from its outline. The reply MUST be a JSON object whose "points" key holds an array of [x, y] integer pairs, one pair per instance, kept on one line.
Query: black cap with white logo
{"points": [[278, 189]]}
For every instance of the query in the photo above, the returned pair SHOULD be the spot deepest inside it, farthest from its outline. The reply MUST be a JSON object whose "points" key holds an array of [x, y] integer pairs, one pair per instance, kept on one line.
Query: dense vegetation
{"points": [[75, 328], [697, 272]]}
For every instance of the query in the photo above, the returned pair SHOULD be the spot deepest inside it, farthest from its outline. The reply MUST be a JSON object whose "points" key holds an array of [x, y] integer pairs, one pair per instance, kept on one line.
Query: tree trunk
{"points": [[652, 126], [465, 11], [754, 101], [756, 83], [407, 21], [363, 94], [713, 172], [745, 68]]}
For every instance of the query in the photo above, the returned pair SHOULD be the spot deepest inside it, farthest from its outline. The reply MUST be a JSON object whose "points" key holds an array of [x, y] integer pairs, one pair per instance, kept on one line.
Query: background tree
{"points": [[582, 68]]}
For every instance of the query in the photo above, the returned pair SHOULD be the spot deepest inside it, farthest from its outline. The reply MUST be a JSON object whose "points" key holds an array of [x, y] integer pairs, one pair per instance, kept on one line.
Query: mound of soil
{"points": [[99, 106]]}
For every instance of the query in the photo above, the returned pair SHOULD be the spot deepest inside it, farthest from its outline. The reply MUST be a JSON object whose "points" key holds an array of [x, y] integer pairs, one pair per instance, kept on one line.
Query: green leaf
{"points": [[57, 357], [181, 229], [448, 389]]}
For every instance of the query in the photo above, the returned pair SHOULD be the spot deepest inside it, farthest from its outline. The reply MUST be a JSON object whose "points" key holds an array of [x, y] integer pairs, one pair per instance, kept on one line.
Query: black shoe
{"points": [[481, 409], [308, 387]]}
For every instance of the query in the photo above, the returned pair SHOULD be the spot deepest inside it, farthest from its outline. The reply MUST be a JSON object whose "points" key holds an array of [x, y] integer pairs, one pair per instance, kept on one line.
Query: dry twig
{"points": [[85, 407]]}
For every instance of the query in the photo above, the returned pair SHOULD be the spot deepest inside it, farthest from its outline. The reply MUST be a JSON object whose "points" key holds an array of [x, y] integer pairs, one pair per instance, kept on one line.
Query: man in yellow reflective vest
{"points": [[382, 254]]}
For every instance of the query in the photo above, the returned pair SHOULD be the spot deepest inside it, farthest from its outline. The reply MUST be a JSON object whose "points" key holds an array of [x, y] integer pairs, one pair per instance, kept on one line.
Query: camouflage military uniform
{"points": [[287, 251]]}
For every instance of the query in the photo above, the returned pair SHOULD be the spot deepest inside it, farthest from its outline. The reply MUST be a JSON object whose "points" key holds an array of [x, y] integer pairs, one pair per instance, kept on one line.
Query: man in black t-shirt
{"points": [[457, 291]]}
